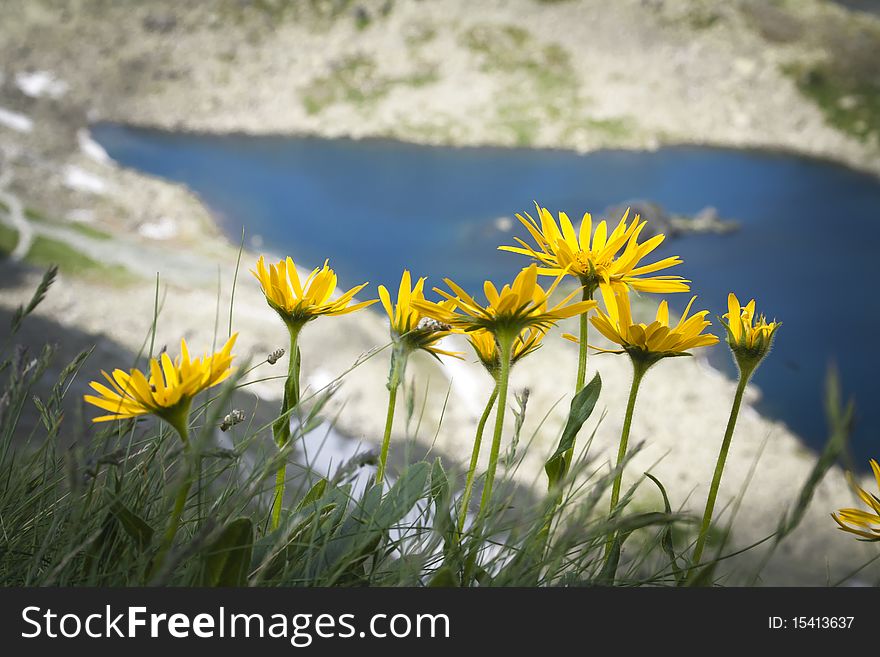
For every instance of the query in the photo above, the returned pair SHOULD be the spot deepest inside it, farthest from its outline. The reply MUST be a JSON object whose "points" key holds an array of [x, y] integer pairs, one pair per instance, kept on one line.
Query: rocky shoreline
{"points": [[456, 73], [420, 71]]}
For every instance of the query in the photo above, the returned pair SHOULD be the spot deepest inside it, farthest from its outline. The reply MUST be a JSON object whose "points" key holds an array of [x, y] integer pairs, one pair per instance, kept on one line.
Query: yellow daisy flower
{"points": [[657, 339], [745, 332], [299, 302], [509, 311], [166, 391], [864, 524], [409, 326], [595, 256]]}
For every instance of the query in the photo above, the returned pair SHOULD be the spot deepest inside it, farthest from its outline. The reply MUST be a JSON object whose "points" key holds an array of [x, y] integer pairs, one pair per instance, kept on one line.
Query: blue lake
{"points": [[807, 248]]}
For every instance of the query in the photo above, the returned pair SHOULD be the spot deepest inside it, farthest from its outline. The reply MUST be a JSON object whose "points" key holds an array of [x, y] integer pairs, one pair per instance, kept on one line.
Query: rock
{"points": [[161, 23], [706, 220], [659, 221]]}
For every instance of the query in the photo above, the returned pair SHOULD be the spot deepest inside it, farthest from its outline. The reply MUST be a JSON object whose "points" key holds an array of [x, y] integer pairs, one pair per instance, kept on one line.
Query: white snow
{"points": [[90, 147], [41, 83], [320, 378], [15, 121], [469, 388], [83, 181], [162, 229]]}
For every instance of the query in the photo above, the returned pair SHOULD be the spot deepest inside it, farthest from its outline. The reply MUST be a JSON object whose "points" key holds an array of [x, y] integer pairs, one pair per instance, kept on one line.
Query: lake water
{"points": [[807, 248]]}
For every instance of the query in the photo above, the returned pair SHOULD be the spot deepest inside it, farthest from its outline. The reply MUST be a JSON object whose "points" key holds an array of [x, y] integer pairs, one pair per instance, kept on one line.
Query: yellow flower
{"points": [[486, 347], [657, 339], [509, 311], [298, 302], [865, 524], [595, 257], [167, 390], [408, 325], [744, 331]]}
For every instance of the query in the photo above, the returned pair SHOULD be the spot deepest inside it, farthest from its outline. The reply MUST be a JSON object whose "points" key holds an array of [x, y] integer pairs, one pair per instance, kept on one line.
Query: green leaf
{"points": [[228, 558], [636, 521], [135, 526], [609, 571], [666, 541], [840, 417], [702, 576], [315, 493], [439, 483], [368, 524], [581, 408], [444, 577]]}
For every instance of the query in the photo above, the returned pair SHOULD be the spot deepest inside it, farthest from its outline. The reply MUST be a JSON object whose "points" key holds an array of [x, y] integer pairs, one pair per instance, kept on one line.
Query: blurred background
{"points": [[145, 137]]}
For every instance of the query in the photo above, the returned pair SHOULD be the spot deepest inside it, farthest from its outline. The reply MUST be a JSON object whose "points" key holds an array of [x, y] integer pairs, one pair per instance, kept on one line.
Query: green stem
{"points": [[179, 503], [281, 428], [386, 439], [475, 455], [399, 357], [639, 369], [582, 360], [505, 343], [582, 347], [719, 467]]}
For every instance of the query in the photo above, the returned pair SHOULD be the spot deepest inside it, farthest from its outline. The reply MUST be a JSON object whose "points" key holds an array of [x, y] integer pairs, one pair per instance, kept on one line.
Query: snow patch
{"points": [[41, 83], [468, 387], [163, 229], [15, 121], [90, 147], [320, 379], [83, 181]]}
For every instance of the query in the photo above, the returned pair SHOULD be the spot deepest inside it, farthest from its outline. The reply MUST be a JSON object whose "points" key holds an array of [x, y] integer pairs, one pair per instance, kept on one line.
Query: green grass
{"points": [[850, 105], [512, 50], [90, 511], [8, 239], [356, 81], [540, 84], [520, 120], [835, 64], [419, 33], [84, 229], [45, 251], [617, 128]]}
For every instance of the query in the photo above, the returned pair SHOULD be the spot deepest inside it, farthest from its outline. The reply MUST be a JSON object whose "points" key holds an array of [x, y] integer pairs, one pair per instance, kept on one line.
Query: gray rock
{"points": [[659, 220]]}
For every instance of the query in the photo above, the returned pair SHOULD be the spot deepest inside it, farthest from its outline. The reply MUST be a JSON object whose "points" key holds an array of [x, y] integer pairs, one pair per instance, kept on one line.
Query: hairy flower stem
{"points": [[386, 439], [281, 428], [719, 466], [179, 501], [639, 369], [505, 345], [582, 356], [582, 351], [475, 455], [399, 358]]}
